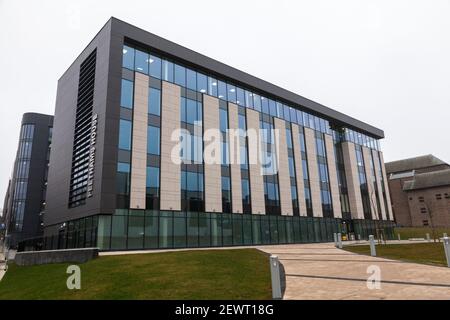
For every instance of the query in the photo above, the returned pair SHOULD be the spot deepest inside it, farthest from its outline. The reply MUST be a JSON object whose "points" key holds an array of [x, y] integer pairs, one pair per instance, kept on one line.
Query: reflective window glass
{"points": [[223, 120], [126, 96], [152, 177], [222, 90], [240, 96], [167, 71], [125, 135], [257, 102], [212, 87], [231, 93], [279, 110], [128, 57], [293, 114], [141, 62], [248, 99], [265, 105], [286, 113], [272, 108], [154, 101], [191, 79], [191, 111], [180, 75], [153, 140], [202, 83], [155, 67]]}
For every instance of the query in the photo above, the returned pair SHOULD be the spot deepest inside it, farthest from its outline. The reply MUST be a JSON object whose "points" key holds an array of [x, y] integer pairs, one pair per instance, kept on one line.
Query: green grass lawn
{"points": [[426, 253], [208, 274], [407, 233]]}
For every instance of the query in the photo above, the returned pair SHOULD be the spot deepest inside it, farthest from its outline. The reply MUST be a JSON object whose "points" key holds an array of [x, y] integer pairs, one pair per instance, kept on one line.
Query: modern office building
{"points": [[138, 119], [25, 198], [420, 191]]}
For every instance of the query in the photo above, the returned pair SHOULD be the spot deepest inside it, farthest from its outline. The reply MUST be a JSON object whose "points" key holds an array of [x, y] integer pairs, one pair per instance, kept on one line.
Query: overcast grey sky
{"points": [[385, 62]]}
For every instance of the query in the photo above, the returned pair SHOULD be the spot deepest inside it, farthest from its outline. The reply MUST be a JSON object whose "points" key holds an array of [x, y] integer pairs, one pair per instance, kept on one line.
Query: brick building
{"points": [[420, 191]]}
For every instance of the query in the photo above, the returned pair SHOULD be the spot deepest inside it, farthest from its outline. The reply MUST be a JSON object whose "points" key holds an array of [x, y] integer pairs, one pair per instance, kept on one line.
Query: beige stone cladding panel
{"points": [[139, 142], [379, 179], [370, 184], [213, 175], [284, 179], [235, 167], [255, 172], [332, 172], [386, 186], [170, 167], [353, 186], [299, 168], [314, 182]]}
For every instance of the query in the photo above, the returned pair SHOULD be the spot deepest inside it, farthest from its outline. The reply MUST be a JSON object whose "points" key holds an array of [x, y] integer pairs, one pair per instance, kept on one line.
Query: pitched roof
{"points": [[413, 164], [428, 180]]}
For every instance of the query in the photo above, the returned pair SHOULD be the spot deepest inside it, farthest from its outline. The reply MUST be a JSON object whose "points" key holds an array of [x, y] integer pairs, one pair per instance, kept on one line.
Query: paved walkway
{"points": [[320, 271]]}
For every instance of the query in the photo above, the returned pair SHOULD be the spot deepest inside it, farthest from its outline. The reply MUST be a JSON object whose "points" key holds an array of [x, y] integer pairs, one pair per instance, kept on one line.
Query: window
{"points": [[272, 108], [423, 210], [152, 177], [128, 58], [191, 111], [153, 140], [240, 96], [191, 79], [212, 87], [439, 196], [257, 102], [123, 172], [293, 114], [289, 138], [223, 120], [291, 167], [167, 71], [155, 67], [154, 102], [180, 75], [125, 135], [231, 93], [279, 110], [222, 90], [126, 96], [249, 99], [202, 83], [265, 105], [241, 120], [286, 113], [421, 199], [425, 223], [141, 62]]}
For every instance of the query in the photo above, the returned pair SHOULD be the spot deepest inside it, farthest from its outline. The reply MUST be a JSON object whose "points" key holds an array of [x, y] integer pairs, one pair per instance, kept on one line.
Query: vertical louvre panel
{"points": [[81, 143]]}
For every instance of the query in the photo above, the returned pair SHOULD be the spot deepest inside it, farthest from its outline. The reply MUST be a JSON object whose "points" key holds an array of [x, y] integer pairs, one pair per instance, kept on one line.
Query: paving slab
{"points": [[321, 271]]}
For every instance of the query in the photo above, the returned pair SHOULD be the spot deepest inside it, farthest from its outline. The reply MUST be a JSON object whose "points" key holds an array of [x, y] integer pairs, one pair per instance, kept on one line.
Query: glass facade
{"points": [[367, 206], [21, 175], [153, 229]]}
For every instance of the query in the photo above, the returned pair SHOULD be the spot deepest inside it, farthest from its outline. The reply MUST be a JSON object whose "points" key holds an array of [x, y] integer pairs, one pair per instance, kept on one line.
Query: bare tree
{"points": [[430, 210]]}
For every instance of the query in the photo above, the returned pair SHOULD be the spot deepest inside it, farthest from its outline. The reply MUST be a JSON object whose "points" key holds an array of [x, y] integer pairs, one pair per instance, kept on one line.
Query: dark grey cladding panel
{"points": [[141, 37]]}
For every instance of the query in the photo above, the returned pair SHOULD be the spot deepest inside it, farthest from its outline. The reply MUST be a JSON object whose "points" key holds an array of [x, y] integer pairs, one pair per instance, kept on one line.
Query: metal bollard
{"points": [[428, 237], [446, 241], [339, 236], [335, 239], [373, 251], [399, 239], [276, 278]]}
